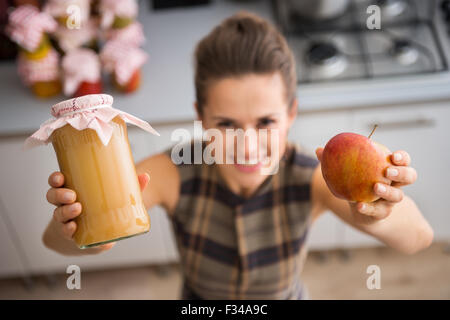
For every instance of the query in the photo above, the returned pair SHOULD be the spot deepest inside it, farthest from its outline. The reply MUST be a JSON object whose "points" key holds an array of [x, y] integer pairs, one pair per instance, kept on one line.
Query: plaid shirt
{"points": [[233, 247]]}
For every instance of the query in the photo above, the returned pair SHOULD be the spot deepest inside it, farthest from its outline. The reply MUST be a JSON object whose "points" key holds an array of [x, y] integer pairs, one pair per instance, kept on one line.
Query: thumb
{"points": [[143, 180], [319, 152]]}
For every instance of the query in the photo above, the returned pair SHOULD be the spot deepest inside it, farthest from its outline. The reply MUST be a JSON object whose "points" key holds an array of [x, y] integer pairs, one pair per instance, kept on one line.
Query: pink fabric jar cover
{"points": [[70, 39], [80, 65], [122, 59], [131, 34], [27, 25], [45, 69], [92, 111], [62, 8], [121, 8]]}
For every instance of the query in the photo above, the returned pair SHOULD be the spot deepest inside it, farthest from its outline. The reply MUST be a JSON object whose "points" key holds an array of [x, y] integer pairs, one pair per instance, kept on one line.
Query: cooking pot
{"points": [[319, 9]]}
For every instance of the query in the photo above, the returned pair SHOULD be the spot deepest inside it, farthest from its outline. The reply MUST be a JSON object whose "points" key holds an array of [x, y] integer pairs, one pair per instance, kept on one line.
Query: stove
{"points": [[409, 41]]}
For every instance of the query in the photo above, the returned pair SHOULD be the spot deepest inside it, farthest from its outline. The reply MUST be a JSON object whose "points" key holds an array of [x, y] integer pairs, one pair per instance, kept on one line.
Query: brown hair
{"points": [[242, 44]]}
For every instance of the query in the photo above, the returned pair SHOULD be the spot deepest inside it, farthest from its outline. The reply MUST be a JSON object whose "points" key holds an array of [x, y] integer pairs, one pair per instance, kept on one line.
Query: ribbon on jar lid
{"points": [[92, 111], [27, 25], [80, 65]]}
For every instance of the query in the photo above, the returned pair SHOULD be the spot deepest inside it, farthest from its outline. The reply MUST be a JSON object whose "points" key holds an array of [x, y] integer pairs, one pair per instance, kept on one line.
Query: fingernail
{"points": [[381, 188], [74, 207], [363, 207], [392, 172], [397, 156], [68, 196]]}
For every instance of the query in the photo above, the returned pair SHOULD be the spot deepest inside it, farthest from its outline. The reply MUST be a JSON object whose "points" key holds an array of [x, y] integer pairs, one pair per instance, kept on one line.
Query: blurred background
{"points": [[387, 65]]}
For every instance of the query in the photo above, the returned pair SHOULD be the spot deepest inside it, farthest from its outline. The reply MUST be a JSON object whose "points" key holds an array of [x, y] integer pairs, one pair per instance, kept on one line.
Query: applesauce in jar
{"points": [[105, 181], [91, 144]]}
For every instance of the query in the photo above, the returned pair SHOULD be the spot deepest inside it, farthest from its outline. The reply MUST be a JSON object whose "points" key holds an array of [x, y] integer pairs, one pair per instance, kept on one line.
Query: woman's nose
{"points": [[251, 145]]}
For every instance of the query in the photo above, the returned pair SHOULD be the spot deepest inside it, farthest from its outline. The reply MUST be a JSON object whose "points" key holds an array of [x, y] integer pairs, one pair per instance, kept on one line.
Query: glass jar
{"points": [[131, 86], [41, 75], [105, 181], [86, 87], [46, 89], [124, 62], [91, 144]]}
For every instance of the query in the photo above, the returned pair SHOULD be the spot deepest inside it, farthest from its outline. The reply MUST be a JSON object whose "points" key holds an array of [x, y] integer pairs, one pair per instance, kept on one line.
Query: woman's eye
{"points": [[225, 124], [265, 122]]}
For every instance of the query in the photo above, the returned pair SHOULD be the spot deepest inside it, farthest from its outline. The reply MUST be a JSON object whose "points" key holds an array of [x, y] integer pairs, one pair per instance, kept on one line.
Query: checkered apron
{"points": [[244, 248]]}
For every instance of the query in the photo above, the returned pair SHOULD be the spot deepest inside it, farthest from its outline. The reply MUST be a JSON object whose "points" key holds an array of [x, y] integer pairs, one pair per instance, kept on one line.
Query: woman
{"points": [[241, 233]]}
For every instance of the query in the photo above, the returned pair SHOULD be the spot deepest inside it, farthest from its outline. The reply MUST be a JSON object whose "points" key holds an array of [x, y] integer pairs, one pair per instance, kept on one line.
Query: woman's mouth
{"points": [[248, 168]]}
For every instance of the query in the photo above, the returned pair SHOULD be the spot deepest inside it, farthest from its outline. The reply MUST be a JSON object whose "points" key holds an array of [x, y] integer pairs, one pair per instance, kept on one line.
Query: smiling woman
{"points": [[241, 233]]}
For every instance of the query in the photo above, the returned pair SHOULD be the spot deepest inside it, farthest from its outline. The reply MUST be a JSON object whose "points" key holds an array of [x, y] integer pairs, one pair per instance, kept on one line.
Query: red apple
{"points": [[352, 164]]}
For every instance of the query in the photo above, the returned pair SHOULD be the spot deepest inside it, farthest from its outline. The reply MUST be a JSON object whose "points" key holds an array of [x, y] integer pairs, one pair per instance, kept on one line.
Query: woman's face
{"points": [[251, 103]]}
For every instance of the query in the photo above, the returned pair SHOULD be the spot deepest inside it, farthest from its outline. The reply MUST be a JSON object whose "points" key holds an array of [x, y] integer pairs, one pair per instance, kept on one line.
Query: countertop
{"points": [[167, 91]]}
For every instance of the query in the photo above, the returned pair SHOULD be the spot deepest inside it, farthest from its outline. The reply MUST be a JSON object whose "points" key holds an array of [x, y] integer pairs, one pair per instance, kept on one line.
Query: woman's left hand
{"points": [[401, 174]]}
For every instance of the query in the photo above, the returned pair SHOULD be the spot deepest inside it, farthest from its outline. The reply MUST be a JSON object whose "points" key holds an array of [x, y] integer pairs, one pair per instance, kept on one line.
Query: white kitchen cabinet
{"points": [[423, 131], [11, 261], [312, 131]]}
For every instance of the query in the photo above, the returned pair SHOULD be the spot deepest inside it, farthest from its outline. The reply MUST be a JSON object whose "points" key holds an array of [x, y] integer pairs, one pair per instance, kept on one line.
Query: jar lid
{"points": [[122, 59], [88, 102], [27, 25], [80, 65], [93, 111], [60, 8], [120, 8], [71, 39], [132, 34], [45, 69]]}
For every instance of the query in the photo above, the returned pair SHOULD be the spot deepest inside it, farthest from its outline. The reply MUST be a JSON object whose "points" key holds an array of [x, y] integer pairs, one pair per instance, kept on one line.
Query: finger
{"points": [[59, 196], [388, 193], [107, 246], [401, 158], [67, 212], [404, 175], [379, 209], [143, 180], [319, 152], [56, 179], [398, 184], [68, 229]]}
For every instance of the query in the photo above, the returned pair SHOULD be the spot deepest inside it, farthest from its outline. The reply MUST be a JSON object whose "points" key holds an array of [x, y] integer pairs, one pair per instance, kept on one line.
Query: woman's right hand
{"points": [[67, 209]]}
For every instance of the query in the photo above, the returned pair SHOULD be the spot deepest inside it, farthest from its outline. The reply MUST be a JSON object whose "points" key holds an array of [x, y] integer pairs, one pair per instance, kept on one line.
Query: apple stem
{"points": [[374, 127]]}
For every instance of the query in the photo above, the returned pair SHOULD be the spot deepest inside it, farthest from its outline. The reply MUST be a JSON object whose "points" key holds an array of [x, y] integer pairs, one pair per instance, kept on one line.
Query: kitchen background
{"points": [[349, 78]]}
